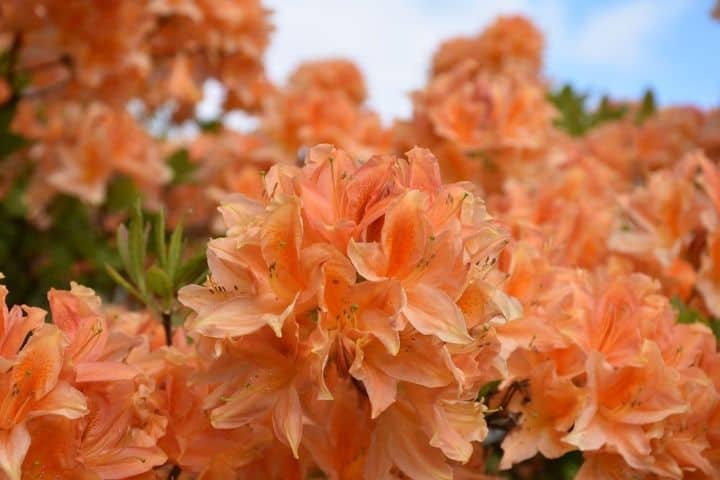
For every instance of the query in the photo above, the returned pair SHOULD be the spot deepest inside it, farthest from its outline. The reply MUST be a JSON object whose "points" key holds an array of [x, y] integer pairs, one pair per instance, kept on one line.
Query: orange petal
{"points": [[411, 451], [63, 400], [368, 259], [235, 317], [14, 445], [405, 233], [288, 419], [104, 372], [381, 388], [432, 312]]}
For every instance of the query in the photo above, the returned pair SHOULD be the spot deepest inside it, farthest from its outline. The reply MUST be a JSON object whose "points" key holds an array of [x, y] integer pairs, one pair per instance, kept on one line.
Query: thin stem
{"points": [[167, 325], [174, 473]]}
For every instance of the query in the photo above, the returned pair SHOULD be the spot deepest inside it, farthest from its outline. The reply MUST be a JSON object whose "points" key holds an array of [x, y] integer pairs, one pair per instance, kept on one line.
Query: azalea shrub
{"points": [[515, 281]]}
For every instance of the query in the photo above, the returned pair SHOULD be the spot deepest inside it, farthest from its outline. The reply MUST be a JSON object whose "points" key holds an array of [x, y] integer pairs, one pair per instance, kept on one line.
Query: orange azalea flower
{"points": [[552, 407], [190, 440], [119, 434], [357, 270], [107, 142], [338, 439], [339, 74], [32, 387], [108, 424], [95, 353], [709, 271], [16, 325], [323, 104], [267, 384], [399, 442], [616, 317], [482, 112], [622, 401], [509, 43], [607, 466]]}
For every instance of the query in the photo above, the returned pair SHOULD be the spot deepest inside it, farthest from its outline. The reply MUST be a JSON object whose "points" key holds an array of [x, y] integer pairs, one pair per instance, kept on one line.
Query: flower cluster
{"points": [[78, 398], [555, 309], [70, 69], [323, 102], [154, 50], [604, 368], [371, 288], [484, 109]]}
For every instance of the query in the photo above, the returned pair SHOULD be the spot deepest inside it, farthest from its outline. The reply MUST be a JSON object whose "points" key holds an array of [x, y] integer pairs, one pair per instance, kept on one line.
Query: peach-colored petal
{"points": [[235, 317], [405, 233], [381, 388], [14, 445], [455, 425], [288, 419], [63, 400], [104, 372], [368, 259], [432, 312]]}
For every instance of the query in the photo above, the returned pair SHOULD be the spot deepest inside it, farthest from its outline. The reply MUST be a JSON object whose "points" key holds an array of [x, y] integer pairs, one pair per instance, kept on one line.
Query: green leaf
{"points": [[574, 116], [175, 251], [121, 240], [688, 315], [648, 107], [120, 280], [210, 126], [192, 270], [159, 235], [5, 63], [122, 194], [20, 80], [571, 109], [181, 166], [137, 246], [607, 112], [14, 201], [11, 143], [492, 462], [7, 113], [159, 282], [488, 389]]}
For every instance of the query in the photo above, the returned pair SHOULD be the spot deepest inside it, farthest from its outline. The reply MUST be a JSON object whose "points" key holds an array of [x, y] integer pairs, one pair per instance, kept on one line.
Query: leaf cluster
{"points": [[155, 264], [576, 118], [687, 314]]}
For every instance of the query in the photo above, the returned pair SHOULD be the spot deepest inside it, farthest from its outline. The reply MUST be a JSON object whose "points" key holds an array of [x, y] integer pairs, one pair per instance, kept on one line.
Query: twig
{"points": [[167, 325]]}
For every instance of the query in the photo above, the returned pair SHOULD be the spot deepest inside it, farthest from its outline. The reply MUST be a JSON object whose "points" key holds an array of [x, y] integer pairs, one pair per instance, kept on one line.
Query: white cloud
{"points": [[392, 40], [622, 35]]}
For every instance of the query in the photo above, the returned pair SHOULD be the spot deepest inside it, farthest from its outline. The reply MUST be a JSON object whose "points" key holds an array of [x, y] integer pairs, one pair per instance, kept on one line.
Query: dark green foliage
{"points": [[154, 267], [181, 166], [576, 118], [9, 142], [34, 260], [122, 195], [647, 107], [210, 126], [488, 389], [687, 314]]}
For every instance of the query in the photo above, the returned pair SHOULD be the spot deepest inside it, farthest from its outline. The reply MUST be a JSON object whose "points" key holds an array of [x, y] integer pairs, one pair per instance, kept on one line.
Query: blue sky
{"points": [[615, 47]]}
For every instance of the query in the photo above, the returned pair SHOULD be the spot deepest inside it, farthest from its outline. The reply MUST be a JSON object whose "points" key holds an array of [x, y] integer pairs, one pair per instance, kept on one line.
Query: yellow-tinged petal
{"points": [[405, 233], [381, 388], [14, 445], [432, 312], [288, 419]]}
